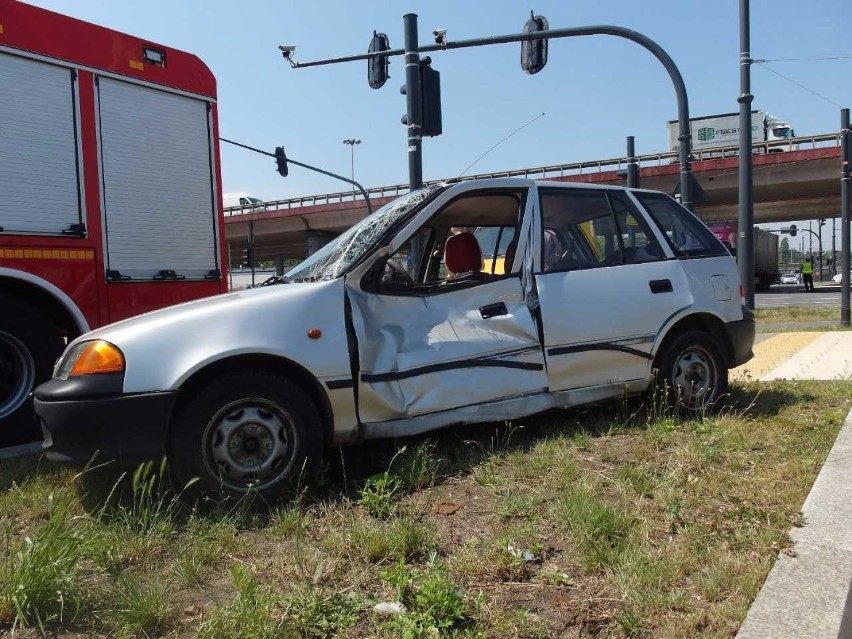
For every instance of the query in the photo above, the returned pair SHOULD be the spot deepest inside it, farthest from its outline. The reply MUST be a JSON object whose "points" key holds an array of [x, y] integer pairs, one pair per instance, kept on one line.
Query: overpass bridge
{"points": [[798, 184]]}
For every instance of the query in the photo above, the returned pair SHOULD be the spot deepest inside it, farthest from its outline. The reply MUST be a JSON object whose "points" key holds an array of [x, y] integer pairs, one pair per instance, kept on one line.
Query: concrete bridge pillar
{"points": [[279, 265], [315, 240]]}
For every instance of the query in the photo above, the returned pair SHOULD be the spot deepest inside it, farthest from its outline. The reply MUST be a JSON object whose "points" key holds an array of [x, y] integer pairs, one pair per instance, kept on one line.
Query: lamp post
{"points": [[352, 142]]}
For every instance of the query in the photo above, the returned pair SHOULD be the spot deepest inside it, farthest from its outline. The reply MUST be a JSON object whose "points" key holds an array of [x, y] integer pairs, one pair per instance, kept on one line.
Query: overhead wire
{"points": [[762, 64]]}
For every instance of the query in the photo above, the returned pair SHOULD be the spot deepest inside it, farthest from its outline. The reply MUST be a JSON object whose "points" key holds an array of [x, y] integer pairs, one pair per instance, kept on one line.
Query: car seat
{"points": [[462, 256]]}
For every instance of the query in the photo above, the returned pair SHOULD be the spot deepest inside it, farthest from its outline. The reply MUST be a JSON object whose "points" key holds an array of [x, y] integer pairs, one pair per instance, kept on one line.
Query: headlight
{"points": [[88, 358]]}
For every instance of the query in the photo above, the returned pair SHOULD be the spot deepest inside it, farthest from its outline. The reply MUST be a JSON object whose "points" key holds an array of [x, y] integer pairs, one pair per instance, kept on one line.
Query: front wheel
{"points": [[691, 370], [245, 434], [29, 346]]}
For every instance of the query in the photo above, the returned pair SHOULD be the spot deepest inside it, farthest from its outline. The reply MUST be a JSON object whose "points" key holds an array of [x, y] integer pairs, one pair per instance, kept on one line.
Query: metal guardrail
{"points": [[543, 172]]}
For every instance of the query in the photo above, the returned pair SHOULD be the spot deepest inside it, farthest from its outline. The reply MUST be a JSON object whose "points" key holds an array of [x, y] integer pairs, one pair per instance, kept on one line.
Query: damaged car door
{"points": [[440, 340]]}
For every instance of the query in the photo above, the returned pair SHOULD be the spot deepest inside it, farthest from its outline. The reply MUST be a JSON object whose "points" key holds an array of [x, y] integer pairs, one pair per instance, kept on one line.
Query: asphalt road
{"points": [[794, 295]]}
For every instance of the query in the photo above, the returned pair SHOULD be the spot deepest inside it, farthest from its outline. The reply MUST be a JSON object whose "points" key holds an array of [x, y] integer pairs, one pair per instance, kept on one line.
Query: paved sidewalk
{"points": [[809, 595]]}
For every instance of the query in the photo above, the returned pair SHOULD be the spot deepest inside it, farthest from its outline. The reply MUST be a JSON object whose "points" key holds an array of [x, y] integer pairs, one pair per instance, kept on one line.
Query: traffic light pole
{"points": [[414, 107], [845, 153], [684, 154], [357, 185], [745, 220]]}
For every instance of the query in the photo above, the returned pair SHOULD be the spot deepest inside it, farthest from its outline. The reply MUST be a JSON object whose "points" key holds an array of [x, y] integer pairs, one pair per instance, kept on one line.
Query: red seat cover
{"points": [[462, 254]]}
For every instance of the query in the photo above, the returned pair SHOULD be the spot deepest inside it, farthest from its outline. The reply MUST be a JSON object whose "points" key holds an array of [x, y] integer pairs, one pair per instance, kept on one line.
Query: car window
{"points": [[593, 228], [686, 234], [464, 243], [494, 242]]}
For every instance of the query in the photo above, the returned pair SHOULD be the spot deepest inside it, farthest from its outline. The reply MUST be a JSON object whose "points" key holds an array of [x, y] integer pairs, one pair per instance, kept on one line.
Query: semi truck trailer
{"points": [[712, 131], [765, 251]]}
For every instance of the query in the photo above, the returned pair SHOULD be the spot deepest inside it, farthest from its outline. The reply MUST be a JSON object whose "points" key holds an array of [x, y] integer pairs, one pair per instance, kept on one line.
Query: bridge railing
{"points": [[551, 171]]}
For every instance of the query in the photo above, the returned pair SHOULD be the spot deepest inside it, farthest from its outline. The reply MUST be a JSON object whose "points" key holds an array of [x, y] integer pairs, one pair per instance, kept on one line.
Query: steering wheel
{"points": [[396, 275]]}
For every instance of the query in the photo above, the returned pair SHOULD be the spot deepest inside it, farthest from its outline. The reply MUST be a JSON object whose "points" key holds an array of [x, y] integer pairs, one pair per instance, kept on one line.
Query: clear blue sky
{"points": [[594, 91]]}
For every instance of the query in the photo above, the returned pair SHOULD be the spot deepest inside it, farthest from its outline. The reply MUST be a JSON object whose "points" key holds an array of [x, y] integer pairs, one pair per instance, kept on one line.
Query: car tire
{"points": [[692, 372], [245, 435], [30, 343]]}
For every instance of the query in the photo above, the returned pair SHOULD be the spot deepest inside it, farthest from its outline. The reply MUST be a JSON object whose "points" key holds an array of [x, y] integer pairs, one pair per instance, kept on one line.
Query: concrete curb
{"points": [[809, 596]]}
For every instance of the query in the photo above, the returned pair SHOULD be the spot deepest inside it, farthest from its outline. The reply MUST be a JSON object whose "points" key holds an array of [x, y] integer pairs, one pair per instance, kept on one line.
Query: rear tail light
{"points": [[742, 294]]}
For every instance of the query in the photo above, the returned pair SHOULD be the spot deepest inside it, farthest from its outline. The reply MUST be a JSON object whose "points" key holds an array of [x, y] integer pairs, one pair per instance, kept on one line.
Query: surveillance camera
{"points": [[439, 34], [286, 49]]}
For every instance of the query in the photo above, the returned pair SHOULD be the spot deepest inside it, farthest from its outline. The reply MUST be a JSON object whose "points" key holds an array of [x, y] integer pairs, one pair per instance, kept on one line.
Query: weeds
{"points": [[139, 610], [619, 520], [434, 605], [40, 579]]}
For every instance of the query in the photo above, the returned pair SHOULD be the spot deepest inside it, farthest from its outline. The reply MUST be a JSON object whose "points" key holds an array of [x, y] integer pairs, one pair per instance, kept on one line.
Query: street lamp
{"points": [[352, 142]]}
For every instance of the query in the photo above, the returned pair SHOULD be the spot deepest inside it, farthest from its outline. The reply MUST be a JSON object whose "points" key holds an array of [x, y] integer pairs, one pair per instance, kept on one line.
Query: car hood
{"points": [[164, 347]]}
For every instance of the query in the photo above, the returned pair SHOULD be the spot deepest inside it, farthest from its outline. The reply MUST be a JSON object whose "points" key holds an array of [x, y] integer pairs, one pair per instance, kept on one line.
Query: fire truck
{"points": [[110, 198]]}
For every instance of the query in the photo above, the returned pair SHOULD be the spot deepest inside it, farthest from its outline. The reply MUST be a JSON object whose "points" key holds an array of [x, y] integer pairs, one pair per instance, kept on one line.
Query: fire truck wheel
{"points": [[245, 435], [29, 345]]}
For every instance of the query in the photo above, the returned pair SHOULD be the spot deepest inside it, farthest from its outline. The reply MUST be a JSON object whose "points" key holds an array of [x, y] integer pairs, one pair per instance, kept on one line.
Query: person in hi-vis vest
{"points": [[808, 275]]}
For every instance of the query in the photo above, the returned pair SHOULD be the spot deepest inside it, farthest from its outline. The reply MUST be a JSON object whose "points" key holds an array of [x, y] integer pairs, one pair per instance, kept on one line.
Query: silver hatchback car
{"points": [[400, 326]]}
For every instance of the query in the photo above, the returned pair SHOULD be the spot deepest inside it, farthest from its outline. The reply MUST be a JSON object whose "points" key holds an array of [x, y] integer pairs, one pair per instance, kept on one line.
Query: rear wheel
{"points": [[692, 371], [29, 345], [252, 434]]}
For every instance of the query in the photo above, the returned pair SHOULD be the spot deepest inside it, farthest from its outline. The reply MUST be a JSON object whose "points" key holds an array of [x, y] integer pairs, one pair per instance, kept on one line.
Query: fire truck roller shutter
{"points": [[39, 180], [158, 201]]}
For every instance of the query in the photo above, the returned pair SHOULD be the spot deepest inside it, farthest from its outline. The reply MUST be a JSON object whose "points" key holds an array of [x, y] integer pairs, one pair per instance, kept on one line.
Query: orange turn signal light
{"points": [[98, 357], [314, 333]]}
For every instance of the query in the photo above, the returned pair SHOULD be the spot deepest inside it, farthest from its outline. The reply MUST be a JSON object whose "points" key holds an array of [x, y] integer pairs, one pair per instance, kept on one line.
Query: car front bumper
{"points": [[78, 424]]}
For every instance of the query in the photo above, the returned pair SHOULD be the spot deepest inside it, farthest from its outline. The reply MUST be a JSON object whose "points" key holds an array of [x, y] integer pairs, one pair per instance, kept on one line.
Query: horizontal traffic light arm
{"points": [[550, 34], [310, 168]]}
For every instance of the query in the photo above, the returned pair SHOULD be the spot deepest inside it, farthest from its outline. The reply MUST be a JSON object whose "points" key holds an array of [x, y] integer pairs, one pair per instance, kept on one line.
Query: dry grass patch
{"points": [[613, 521]]}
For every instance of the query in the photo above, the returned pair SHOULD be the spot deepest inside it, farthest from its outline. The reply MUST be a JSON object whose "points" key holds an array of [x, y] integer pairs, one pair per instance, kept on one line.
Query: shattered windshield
{"points": [[335, 258]]}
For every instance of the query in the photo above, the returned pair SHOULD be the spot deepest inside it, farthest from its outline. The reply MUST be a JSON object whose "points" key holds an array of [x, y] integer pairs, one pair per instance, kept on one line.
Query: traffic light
{"points": [[281, 161], [792, 230], [822, 223], [377, 66], [248, 256], [430, 91], [534, 52], [430, 99]]}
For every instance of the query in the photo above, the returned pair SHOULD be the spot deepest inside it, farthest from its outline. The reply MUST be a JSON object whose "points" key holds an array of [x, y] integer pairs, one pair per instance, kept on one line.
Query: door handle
{"points": [[493, 310], [660, 286]]}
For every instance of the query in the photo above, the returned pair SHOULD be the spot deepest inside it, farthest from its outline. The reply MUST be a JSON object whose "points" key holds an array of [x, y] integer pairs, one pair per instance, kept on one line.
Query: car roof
{"points": [[525, 182]]}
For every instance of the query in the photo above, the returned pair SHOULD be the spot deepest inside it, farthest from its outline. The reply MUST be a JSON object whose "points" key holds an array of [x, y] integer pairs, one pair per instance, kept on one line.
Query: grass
{"points": [[797, 314], [610, 521]]}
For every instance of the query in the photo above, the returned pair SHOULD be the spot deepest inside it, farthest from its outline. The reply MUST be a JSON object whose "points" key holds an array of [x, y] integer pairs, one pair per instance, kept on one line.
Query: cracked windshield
{"points": [[336, 257]]}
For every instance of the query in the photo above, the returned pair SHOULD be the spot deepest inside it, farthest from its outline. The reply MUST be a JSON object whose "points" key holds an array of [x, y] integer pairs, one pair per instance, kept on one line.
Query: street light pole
{"points": [[351, 142]]}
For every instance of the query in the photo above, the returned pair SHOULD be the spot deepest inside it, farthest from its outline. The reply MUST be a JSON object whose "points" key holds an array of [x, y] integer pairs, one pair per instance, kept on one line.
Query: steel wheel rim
{"points": [[694, 376], [17, 374], [249, 442]]}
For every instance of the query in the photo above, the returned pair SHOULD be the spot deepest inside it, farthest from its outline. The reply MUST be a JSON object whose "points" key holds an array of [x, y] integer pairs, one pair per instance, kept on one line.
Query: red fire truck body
{"points": [[110, 198]]}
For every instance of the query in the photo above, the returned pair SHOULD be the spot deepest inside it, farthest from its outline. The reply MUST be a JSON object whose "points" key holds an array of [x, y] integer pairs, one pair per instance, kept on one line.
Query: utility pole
{"points": [[745, 243], [811, 240], [632, 164], [845, 153], [834, 270]]}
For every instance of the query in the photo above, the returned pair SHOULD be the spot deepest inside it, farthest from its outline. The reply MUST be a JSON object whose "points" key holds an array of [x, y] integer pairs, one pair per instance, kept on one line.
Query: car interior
{"points": [[470, 240]]}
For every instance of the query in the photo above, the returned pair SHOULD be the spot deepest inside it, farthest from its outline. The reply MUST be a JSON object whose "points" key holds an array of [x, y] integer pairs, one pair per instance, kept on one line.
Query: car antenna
{"points": [[499, 143]]}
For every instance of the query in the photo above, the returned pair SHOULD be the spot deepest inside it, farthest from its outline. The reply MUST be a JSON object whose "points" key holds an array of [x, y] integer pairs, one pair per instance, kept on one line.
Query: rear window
{"points": [[685, 233]]}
